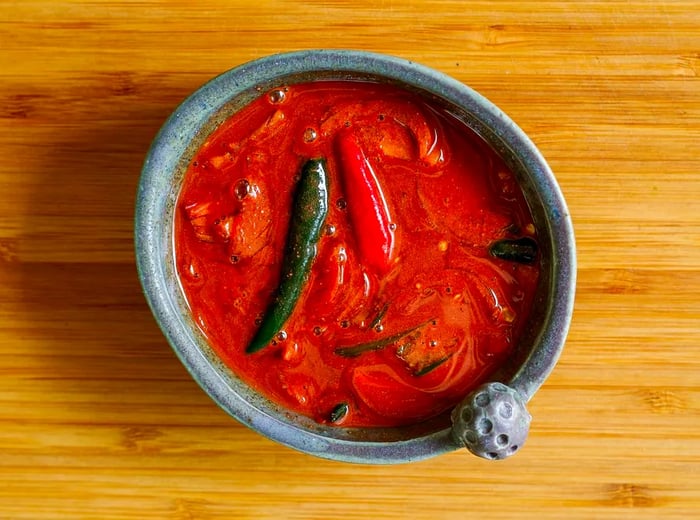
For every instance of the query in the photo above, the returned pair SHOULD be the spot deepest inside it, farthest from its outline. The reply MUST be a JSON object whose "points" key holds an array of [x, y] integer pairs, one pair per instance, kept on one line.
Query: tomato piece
{"points": [[250, 229], [383, 392]]}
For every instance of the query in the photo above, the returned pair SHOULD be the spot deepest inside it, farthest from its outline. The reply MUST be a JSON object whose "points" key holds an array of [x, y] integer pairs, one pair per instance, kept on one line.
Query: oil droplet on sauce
{"points": [[277, 96], [310, 135]]}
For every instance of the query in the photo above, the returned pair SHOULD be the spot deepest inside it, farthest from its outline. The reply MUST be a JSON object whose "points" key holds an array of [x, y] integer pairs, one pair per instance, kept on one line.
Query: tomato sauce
{"points": [[405, 308]]}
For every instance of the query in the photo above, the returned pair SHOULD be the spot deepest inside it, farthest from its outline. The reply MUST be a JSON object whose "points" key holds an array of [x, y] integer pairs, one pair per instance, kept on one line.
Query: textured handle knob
{"points": [[491, 422]]}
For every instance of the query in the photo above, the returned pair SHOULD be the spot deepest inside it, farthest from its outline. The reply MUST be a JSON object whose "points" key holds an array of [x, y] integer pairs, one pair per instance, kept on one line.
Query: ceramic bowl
{"points": [[492, 421]]}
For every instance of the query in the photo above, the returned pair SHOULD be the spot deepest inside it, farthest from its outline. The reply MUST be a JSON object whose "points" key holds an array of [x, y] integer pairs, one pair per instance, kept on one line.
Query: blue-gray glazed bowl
{"points": [[492, 421]]}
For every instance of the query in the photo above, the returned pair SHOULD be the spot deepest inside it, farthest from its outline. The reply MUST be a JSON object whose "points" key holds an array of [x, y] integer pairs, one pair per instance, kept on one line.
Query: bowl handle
{"points": [[491, 422]]}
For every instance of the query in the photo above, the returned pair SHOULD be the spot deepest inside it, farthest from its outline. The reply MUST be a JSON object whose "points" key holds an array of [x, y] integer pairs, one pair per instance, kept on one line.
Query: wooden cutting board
{"points": [[99, 419]]}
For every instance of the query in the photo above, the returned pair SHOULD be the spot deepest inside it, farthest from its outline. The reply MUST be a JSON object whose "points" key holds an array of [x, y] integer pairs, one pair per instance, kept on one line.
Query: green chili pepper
{"points": [[379, 316], [378, 344], [431, 366], [521, 250], [339, 412], [308, 215]]}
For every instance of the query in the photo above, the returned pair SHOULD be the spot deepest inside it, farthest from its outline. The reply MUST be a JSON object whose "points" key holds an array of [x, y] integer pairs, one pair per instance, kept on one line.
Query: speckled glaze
{"points": [[536, 354]]}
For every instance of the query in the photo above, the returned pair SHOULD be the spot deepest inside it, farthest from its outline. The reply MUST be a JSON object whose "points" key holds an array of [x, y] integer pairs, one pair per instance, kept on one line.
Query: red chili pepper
{"points": [[366, 205]]}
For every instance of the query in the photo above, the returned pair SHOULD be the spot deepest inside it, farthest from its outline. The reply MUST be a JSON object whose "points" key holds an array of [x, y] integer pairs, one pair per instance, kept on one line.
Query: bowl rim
{"points": [[171, 143]]}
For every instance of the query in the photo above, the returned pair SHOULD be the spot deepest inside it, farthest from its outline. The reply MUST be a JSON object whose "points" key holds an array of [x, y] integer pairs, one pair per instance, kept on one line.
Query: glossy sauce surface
{"points": [[405, 309]]}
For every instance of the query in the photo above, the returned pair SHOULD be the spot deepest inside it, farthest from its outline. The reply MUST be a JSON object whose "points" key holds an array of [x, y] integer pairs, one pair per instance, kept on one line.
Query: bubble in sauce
{"points": [[310, 135], [276, 96], [241, 189]]}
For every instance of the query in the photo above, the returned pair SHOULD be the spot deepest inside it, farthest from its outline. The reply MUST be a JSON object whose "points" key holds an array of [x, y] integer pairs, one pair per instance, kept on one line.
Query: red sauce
{"points": [[447, 197]]}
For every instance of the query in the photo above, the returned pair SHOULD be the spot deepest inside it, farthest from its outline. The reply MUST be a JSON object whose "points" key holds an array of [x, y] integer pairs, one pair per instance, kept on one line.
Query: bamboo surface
{"points": [[98, 419]]}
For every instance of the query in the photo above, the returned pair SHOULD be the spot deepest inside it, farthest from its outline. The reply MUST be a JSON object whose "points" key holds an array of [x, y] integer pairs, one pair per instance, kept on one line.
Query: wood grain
{"points": [[99, 420]]}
